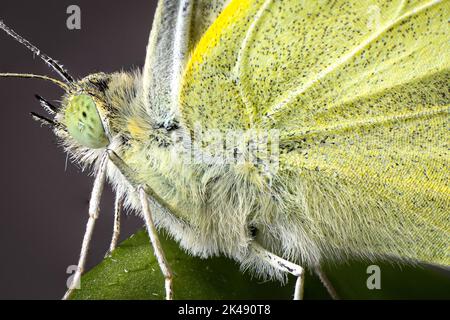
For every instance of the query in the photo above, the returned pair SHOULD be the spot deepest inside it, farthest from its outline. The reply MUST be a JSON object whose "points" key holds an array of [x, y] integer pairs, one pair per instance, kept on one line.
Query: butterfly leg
{"points": [[94, 210], [283, 265], [159, 253], [118, 203], [143, 196], [326, 283]]}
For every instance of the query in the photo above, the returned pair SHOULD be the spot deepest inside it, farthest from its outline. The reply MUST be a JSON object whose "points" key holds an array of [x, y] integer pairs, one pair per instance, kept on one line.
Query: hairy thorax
{"points": [[211, 207]]}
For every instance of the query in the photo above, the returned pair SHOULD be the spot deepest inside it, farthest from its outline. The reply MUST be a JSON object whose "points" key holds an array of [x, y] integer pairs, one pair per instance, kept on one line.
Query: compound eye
{"points": [[83, 122]]}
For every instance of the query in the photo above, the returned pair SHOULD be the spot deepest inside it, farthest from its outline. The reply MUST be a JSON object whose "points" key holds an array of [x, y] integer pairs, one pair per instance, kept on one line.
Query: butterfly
{"points": [[283, 134]]}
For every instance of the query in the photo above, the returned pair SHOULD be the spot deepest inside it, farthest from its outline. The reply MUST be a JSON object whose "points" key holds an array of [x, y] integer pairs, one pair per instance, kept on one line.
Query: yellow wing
{"points": [[360, 93]]}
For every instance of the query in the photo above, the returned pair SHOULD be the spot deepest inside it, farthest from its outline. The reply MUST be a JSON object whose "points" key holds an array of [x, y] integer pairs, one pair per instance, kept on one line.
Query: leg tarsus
{"points": [[118, 203], [157, 248], [326, 283], [299, 287]]}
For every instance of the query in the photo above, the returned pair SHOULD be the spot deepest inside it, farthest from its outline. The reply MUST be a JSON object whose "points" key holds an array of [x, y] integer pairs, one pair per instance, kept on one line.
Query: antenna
{"points": [[36, 76], [49, 61]]}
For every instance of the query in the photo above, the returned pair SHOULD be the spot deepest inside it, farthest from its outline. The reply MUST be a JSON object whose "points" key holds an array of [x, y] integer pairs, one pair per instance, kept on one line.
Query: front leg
{"points": [[159, 253], [94, 210]]}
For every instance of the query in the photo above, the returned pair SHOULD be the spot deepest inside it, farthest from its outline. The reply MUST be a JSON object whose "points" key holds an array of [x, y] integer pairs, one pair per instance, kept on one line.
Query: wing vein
{"points": [[291, 95], [242, 59], [343, 126]]}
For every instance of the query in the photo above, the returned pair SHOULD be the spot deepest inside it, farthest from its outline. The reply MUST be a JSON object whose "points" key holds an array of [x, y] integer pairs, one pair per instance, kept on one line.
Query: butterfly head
{"points": [[84, 112], [82, 119]]}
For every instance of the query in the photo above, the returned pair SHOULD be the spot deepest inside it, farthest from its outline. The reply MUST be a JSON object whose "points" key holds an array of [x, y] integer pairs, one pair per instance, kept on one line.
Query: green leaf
{"points": [[131, 272]]}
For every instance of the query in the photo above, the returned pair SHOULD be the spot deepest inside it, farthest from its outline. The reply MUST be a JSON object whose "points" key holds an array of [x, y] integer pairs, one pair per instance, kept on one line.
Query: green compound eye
{"points": [[83, 122]]}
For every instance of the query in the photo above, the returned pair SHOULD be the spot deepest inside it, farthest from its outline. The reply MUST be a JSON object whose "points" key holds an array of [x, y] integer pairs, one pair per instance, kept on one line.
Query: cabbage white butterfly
{"points": [[362, 168]]}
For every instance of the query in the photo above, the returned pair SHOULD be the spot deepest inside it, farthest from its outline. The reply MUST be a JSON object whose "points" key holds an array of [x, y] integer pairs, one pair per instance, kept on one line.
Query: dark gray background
{"points": [[43, 207]]}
